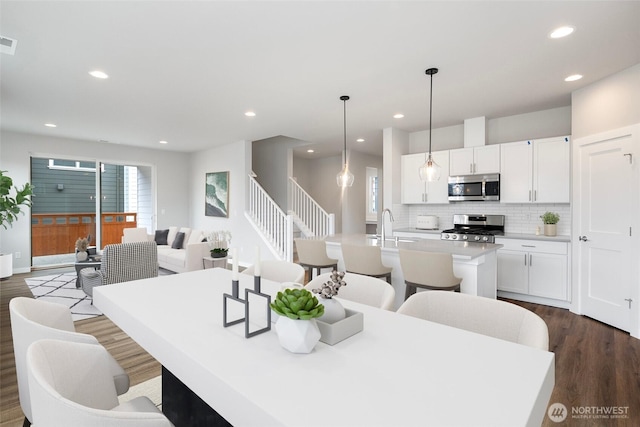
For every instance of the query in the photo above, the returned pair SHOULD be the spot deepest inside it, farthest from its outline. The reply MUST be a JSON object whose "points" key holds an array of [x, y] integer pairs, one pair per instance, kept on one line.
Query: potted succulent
{"points": [[550, 220], [333, 310], [10, 207], [296, 327]]}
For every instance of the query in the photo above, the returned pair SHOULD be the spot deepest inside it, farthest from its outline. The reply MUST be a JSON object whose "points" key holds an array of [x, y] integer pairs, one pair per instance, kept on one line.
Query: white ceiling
{"points": [[186, 71]]}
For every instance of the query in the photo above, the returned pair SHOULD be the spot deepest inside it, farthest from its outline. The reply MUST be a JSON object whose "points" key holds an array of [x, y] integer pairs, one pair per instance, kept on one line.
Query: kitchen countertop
{"points": [[522, 236], [462, 250]]}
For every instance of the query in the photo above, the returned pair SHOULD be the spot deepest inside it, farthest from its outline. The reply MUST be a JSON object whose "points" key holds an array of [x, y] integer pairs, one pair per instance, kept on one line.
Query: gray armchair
{"points": [[122, 263]]}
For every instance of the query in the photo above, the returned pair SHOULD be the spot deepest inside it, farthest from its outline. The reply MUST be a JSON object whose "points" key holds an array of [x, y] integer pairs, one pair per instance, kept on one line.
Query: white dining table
{"points": [[399, 371]]}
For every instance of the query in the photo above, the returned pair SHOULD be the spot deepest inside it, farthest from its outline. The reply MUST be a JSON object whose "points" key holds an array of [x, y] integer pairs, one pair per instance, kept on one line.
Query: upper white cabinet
{"points": [[416, 191], [475, 160], [536, 171]]}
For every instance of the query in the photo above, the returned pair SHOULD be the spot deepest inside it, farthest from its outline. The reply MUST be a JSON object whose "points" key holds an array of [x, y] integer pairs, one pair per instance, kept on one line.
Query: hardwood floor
{"points": [[139, 364], [597, 366]]}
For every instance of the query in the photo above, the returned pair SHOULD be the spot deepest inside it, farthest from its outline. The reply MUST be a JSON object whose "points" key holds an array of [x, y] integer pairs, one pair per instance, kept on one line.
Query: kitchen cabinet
{"points": [[417, 191], [475, 160], [535, 171], [534, 268]]}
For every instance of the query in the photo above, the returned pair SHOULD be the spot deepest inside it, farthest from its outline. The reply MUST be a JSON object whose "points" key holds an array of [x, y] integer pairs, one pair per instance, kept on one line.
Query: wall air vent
{"points": [[8, 45]]}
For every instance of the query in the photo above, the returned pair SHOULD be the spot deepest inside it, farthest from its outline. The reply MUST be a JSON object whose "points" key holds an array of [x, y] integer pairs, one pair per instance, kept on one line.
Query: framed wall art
{"points": [[217, 194]]}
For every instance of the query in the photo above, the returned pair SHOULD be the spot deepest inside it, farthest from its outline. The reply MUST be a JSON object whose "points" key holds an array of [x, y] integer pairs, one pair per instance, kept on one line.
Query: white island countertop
{"points": [[461, 250]]}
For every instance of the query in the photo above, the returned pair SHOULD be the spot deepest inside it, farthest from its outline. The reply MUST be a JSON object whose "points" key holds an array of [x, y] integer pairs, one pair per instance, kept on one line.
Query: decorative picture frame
{"points": [[216, 198]]}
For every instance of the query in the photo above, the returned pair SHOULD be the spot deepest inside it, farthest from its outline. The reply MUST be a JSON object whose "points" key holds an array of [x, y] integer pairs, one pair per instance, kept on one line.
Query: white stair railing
{"points": [[315, 220], [274, 223]]}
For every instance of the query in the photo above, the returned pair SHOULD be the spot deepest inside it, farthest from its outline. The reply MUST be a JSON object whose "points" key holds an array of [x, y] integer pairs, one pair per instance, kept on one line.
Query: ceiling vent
{"points": [[8, 45]]}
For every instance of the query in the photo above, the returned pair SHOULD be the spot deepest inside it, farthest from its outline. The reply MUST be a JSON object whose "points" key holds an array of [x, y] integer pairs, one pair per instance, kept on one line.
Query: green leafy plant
{"points": [[550, 218], [297, 304], [222, 251], [10, 206]]}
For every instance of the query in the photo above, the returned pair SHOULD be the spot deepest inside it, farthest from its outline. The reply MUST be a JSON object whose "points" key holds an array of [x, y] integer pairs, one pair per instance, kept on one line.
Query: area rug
{"points": [[61, 289], [151, 388]]}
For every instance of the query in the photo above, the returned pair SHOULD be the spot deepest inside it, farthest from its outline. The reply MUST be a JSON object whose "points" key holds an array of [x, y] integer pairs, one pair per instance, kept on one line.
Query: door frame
{"points": [[578, 289]]}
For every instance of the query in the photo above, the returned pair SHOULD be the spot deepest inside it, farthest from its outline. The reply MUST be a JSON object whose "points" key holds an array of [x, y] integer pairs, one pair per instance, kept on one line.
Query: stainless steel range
{"points": [[475, 228]]}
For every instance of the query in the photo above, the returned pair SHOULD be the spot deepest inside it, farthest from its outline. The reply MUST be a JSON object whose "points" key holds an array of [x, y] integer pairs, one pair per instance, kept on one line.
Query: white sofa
{"points": [[186, 258]]}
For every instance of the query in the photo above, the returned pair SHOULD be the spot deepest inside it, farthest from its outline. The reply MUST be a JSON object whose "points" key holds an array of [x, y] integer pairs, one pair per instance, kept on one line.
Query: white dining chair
{"points": [[279, 271], [498, 319], [32, 320], [71, 386], [360, 288]]}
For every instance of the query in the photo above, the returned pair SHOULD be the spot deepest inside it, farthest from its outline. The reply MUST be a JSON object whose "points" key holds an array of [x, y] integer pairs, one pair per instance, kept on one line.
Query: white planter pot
{"points": [[297, 336], [333, 310], [81, 256], [6, 265], [550, 229]]}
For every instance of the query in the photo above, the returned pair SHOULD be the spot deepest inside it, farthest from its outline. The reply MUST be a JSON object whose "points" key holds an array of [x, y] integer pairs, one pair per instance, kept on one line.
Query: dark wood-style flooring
{"points": [[597, 366]]}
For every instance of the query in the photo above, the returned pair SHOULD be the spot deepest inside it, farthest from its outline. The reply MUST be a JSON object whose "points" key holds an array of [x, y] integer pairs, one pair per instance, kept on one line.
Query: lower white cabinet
{"points": [[535, 268]]}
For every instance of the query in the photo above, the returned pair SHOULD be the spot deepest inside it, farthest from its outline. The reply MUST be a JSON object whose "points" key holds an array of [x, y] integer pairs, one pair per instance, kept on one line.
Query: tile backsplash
{"points": [[519, 217]]}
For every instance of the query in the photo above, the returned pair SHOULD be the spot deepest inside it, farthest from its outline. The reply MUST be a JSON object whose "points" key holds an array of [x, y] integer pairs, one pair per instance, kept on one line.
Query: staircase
{"points": [[307, 214], [277, 227], [270, 221]]}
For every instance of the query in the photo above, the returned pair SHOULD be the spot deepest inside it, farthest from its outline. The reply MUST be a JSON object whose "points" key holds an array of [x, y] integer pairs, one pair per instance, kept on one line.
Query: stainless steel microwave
{"points": [[474, 187]]}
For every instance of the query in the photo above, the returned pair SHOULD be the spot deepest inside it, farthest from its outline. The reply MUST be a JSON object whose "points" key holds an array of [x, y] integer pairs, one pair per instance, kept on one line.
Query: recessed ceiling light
{"points": [[250, 114], [561, 32], [99, 74], [573, 78], [311, 151], [398, 116], [50, 125], [360, 140], [163, 142]]}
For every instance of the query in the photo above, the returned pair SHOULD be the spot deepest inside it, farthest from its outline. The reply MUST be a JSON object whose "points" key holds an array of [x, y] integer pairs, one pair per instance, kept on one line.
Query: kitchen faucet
{"points": [[384, 229]]}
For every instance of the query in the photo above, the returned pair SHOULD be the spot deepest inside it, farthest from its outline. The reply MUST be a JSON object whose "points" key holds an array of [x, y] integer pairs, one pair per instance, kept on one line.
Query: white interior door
{"points": [[605, 209]]}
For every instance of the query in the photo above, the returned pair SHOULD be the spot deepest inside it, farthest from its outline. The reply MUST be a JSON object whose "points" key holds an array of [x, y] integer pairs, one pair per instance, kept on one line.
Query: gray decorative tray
{"points": [[333, 333]]}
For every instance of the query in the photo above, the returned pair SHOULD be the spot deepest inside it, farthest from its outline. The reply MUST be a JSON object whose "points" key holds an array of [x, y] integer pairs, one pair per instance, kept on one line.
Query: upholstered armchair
{"points": [[122, 263]]}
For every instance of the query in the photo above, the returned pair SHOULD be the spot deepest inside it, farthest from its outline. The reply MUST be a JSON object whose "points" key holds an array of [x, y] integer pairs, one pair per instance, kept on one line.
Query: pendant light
{"points": [[430, 171], [345, 178]]}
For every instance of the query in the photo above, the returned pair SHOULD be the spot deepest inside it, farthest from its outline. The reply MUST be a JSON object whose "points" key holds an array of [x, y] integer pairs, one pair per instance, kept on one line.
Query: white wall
{"points": [[318, 178], [16, 150], [539, 124], [272, 161], [235, 158], [610, 103], [354, 213]]}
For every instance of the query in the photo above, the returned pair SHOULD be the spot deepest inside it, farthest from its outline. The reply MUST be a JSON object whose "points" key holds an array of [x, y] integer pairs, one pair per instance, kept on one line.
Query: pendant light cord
{"points": [[430, 111], [344, 103]]}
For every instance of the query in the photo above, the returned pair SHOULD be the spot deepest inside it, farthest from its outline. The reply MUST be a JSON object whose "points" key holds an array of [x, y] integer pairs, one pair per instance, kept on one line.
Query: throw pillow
{"points": [[161, 237], [178, 241]]}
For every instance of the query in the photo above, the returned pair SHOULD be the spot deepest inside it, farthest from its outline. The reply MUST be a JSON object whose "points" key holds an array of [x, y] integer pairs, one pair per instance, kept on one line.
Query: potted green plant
{"points": [[296, 327], [10, 207], [550, 220], [219, 243], [219, 252]]}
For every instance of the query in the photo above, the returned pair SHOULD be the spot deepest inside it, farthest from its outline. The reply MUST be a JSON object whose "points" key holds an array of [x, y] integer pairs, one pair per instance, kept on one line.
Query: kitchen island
{"points": [[475, 263]]}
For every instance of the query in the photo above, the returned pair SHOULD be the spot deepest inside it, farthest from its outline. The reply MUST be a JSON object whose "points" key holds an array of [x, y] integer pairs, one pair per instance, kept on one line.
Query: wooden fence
{"points": [[53, 234]]}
